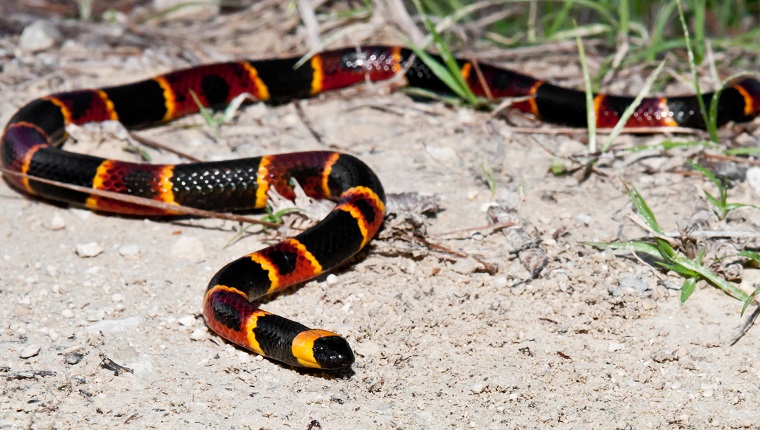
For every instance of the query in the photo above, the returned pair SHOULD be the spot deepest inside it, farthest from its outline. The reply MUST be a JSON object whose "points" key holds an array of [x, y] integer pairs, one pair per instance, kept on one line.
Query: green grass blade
{"points": [[711, 126], [633, 246], [711, 277], [590, 113], [632, 107], [678, 269], [442, 73], [643, 209], [451, 75], [752, 255], [750, 299], [687, 289]]}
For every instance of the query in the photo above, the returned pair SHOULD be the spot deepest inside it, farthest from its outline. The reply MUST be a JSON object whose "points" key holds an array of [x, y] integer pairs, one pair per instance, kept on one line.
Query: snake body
{"points": [[32, 140]]}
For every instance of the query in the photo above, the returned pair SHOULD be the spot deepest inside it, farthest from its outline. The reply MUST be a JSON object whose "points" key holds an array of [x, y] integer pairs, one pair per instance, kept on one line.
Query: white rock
{"points": [[189, 248], [199, 334], [82, 214], [584, 218], [112, 326], [130, 250], [57, 223], [500, 282], [753, 179], [87, 250], [615, 346], [465, 266], [187, 321], [30, 350], [443, 154], [95, 315], [478, 387], [38, 36]]}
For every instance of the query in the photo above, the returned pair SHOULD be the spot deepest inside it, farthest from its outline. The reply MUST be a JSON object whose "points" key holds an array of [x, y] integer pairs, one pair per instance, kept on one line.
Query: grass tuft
{"points": [[662, 251]]}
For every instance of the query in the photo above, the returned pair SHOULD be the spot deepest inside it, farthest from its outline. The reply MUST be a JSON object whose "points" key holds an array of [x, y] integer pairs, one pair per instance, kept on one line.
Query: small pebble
{"points": [[584, 218], [129, 250], [615, 346], [116, 298], [189, 248], [74, 357], [67, 313], [478, 387], [198, 334], [629, 284], [753, 179], [57, 223], [82, 214], [465, 266], [331, 279], [95, 315], [38, 36], [30, 350], [88, 250], [443, 154], [708, 390], [187, 321], [114, 325], [500, 282]]}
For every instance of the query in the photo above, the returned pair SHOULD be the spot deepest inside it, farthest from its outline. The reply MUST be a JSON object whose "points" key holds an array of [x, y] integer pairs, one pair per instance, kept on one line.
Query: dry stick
{"points": [[506, 103], [142, 201], [745, 328], [481, 79], [401, 17], [606, 130], [739, 160], [489, 19], [488, 267], [160, 146], [712, 234], [309, 19], [564, 46], [484, 228], [637, 219], [305, 120]]}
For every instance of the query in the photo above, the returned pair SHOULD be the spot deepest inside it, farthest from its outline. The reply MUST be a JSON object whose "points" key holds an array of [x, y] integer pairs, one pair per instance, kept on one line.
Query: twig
{"points": [[487, 267], [305, 120], [160, 146], [746, 326], [141, 201], [486, 228]]}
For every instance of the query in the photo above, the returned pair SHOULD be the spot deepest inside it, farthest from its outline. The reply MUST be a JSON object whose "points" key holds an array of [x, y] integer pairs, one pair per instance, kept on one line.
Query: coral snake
{"points": [[31, 146]]}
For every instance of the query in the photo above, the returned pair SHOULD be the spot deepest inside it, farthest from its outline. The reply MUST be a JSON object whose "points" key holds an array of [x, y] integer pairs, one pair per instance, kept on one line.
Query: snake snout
{"points": [[333, 352]]}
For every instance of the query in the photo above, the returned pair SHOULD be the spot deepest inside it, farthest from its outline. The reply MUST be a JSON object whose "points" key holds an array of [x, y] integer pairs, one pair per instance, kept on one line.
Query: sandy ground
{"points": [[596, 340]]}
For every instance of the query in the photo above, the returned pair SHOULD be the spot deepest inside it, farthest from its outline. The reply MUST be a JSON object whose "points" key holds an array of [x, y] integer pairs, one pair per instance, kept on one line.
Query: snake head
{"points": [[322, 349]]}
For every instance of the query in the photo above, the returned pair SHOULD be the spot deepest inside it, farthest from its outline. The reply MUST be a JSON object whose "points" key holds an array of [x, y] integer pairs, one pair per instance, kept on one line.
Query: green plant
{"points": [[449, 72], [722, 207], [488, 176], [271, 218], [214, 121], [662, 250]]}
